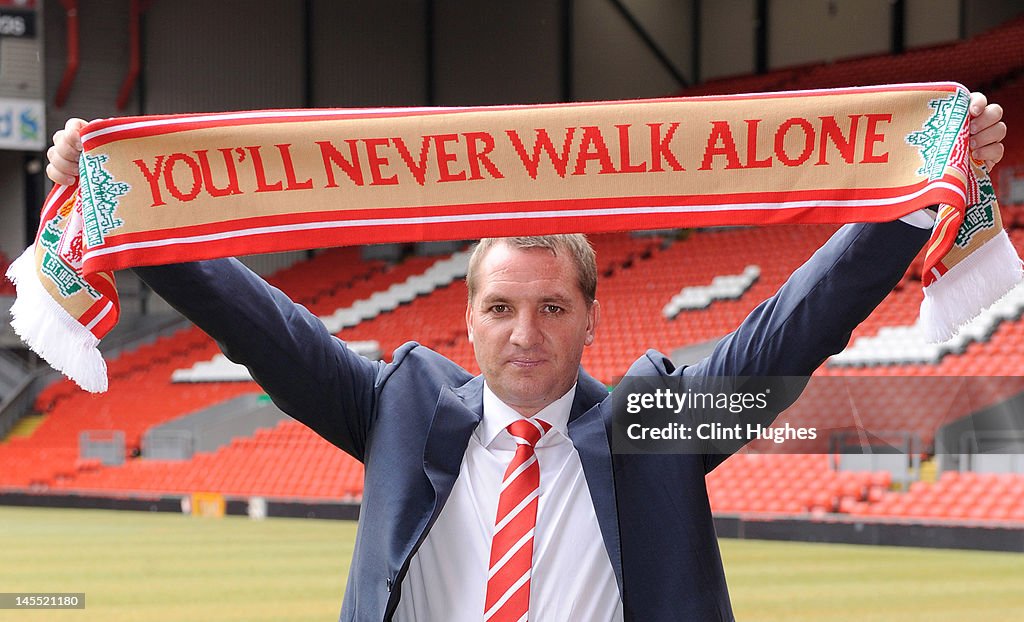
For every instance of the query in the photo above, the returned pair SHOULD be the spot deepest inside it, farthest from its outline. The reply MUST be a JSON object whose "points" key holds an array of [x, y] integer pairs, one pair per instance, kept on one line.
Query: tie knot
{"points": [[528, 431]]}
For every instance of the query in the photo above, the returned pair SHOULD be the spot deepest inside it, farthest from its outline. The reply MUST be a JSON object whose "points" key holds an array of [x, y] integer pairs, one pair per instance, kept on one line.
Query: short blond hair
{"points": [[576, 246]]}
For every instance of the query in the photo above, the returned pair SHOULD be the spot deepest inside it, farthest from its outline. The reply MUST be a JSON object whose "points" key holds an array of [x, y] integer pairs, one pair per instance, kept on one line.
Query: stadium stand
{"points": [[722, 287], [438, 274], [997, 353], [789, 484], [287, 461], [632, 301], [984, 61], [955, 496], [894, 345], [142, 396], [640, 277]]}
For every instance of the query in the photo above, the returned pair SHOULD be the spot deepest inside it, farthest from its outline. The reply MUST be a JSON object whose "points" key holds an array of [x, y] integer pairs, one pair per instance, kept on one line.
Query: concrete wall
{"points": [[931, 22], [232, 54], [727, 45], [496, 52], [804, 31], [103, 54], [12, 203], [368, 53], [20, 74], [980, 15], [21, 77], [203, 56], [610, 61]]}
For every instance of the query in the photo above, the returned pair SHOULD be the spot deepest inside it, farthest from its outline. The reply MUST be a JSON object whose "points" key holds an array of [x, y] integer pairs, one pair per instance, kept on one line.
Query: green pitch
{"points": [[163, 567]]}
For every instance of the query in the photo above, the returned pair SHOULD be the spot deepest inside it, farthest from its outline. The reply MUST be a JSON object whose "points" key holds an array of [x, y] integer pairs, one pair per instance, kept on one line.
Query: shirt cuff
{"points": [[923, 218]]}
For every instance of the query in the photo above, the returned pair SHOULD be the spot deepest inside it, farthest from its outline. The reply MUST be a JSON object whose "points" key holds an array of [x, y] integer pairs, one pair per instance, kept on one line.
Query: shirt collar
{"points": [[498, 415]]}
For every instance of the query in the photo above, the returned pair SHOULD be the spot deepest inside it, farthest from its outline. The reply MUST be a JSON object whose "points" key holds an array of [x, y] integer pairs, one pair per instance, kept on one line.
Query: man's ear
{"points": [[593, 318], [469, 321]]}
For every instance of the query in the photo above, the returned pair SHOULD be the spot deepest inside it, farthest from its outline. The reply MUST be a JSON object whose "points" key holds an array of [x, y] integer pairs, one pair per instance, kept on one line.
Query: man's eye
{"points": [[552, 309], [499, 308]]}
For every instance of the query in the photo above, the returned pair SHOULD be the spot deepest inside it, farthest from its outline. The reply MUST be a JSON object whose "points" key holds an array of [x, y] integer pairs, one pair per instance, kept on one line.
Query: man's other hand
{"points": [[987, 130], [64, 154]]}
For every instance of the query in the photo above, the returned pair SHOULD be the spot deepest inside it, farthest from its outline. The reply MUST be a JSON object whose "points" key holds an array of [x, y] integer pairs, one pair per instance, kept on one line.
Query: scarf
{"points": [[165, 189]]}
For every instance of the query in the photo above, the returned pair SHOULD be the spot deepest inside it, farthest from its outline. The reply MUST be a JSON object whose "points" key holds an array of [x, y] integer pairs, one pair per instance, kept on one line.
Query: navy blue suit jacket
{"points": [[409, 421]]}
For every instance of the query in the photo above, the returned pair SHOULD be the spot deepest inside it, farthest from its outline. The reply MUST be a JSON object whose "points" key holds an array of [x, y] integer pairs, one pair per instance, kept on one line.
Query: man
{"points": [[497, 497]]}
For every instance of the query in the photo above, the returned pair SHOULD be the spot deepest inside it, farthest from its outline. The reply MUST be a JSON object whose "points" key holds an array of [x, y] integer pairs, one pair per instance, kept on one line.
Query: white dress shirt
{"points": [[572, 578]]}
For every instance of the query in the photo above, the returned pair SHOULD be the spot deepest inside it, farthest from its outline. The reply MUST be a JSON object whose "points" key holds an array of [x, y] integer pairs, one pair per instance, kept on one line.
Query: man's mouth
{"points": [[526, 363]]}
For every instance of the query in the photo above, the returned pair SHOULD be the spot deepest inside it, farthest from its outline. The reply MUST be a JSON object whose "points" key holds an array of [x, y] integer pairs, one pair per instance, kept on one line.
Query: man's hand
{"points": [[987, 130], [64, 154]]}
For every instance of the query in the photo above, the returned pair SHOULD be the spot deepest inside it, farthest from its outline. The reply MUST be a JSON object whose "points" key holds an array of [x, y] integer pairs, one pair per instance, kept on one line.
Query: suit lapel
{"points": [[590, 437], [457, 414]]}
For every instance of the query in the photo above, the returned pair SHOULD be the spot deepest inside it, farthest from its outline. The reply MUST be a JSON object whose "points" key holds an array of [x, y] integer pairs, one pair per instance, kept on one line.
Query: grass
{"points": [[163, 567], [795, 581]]}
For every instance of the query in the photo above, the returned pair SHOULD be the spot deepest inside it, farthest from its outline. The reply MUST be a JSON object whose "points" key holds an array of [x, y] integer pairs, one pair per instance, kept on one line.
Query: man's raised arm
{"points": [[309, 374], [813, 314]]}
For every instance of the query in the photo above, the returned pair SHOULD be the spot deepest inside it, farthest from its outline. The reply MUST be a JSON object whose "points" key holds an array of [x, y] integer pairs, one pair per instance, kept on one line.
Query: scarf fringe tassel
{"points": [[50, 330]]}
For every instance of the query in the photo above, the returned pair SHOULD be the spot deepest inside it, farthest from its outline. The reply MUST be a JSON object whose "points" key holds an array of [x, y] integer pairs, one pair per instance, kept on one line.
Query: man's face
{"points": [[529, 323]]}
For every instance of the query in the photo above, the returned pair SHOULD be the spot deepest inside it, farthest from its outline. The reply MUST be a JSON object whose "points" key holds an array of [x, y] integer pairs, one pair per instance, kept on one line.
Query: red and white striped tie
{"points": [[508, 582]]}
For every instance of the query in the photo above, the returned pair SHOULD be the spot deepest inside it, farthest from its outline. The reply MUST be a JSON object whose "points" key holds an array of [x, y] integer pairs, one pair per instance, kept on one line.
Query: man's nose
{"points": [[526, 331]]}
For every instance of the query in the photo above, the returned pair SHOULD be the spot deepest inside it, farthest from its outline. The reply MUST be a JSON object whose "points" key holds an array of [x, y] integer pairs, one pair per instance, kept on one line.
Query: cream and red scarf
{"points": [[167, 189]]}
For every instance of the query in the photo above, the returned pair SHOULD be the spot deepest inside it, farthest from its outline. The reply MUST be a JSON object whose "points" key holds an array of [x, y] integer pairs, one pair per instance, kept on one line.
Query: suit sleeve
{"points": [[814, 313], [310, 374]]}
